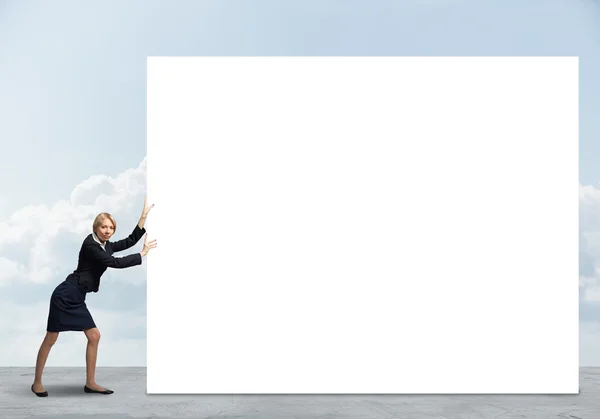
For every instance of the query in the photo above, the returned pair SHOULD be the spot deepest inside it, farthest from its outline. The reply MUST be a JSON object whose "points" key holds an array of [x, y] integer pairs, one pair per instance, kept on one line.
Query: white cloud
{"points": [[592, 293], [589, 224], [9, 269], [48, 234], [589, 280]]}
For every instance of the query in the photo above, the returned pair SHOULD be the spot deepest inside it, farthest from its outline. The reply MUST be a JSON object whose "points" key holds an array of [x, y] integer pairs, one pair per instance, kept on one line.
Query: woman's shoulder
{"points": [[88, 239]]}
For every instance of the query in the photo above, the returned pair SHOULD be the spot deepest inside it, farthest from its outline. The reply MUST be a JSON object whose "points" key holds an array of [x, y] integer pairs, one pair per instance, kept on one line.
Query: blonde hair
{"points": [[101, 217]]}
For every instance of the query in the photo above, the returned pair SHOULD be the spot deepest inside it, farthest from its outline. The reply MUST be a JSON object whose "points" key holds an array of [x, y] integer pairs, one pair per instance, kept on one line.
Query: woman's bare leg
{"points": [[91, 355], [42, 357]]}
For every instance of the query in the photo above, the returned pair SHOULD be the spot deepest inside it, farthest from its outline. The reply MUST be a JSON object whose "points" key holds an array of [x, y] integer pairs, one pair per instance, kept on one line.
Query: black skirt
{"points": [[68, 310]]}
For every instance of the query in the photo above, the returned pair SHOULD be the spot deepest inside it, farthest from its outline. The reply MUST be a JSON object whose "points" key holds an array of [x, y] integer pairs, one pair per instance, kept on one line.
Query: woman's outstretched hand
{"points": [[148, 245], [147, 207]]}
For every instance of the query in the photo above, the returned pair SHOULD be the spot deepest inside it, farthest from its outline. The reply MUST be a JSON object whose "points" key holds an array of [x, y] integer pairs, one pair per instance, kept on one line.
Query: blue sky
{"points": [[73, 103]]}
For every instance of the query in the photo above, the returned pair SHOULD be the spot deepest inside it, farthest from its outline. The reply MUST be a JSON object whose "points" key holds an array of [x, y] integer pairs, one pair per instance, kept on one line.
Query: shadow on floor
{"points": [[60, 390]]}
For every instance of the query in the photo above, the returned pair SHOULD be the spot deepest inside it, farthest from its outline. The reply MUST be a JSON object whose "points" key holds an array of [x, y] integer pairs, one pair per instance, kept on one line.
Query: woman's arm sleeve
{"points": [[129, 241], [97, 254]]}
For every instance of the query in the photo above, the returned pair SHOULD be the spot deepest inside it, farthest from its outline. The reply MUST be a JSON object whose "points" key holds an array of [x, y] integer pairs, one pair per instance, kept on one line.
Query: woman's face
{"points": [[105, 230]]}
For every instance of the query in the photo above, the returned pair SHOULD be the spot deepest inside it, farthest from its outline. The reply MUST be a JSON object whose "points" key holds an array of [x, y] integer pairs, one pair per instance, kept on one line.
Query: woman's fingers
{"points": [[151, 243]]}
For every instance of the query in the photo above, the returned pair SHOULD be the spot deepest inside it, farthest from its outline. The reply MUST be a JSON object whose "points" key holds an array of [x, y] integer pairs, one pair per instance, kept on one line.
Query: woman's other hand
{"points": [[148, 245]]}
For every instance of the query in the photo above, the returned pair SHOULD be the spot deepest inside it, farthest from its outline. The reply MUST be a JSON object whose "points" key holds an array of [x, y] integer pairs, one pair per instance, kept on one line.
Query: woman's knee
{"points": [[51, 338], [93, 335]]}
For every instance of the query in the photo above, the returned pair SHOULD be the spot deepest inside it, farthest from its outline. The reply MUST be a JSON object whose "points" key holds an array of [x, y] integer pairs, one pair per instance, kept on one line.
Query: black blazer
{"points": [[93, 260]]}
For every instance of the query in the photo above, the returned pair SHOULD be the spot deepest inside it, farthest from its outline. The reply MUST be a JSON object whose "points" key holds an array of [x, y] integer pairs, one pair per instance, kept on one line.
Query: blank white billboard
{"points": [[363, 225]]}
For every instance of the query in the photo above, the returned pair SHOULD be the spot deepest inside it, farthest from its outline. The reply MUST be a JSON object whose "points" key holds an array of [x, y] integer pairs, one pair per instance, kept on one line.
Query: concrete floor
{"points": [[67, 400]]}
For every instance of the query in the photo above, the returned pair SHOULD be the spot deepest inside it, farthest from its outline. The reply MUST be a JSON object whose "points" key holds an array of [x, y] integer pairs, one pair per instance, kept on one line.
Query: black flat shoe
{"points": [[40, 394], [89, 390]]}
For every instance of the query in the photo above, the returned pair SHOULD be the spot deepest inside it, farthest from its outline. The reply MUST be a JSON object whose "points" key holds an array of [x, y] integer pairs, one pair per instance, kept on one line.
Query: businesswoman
{"points": [[68, 311]]}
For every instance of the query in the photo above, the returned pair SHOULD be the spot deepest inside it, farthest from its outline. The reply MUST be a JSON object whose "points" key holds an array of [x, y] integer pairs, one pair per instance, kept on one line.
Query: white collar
{"points": [[103, 245]]}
